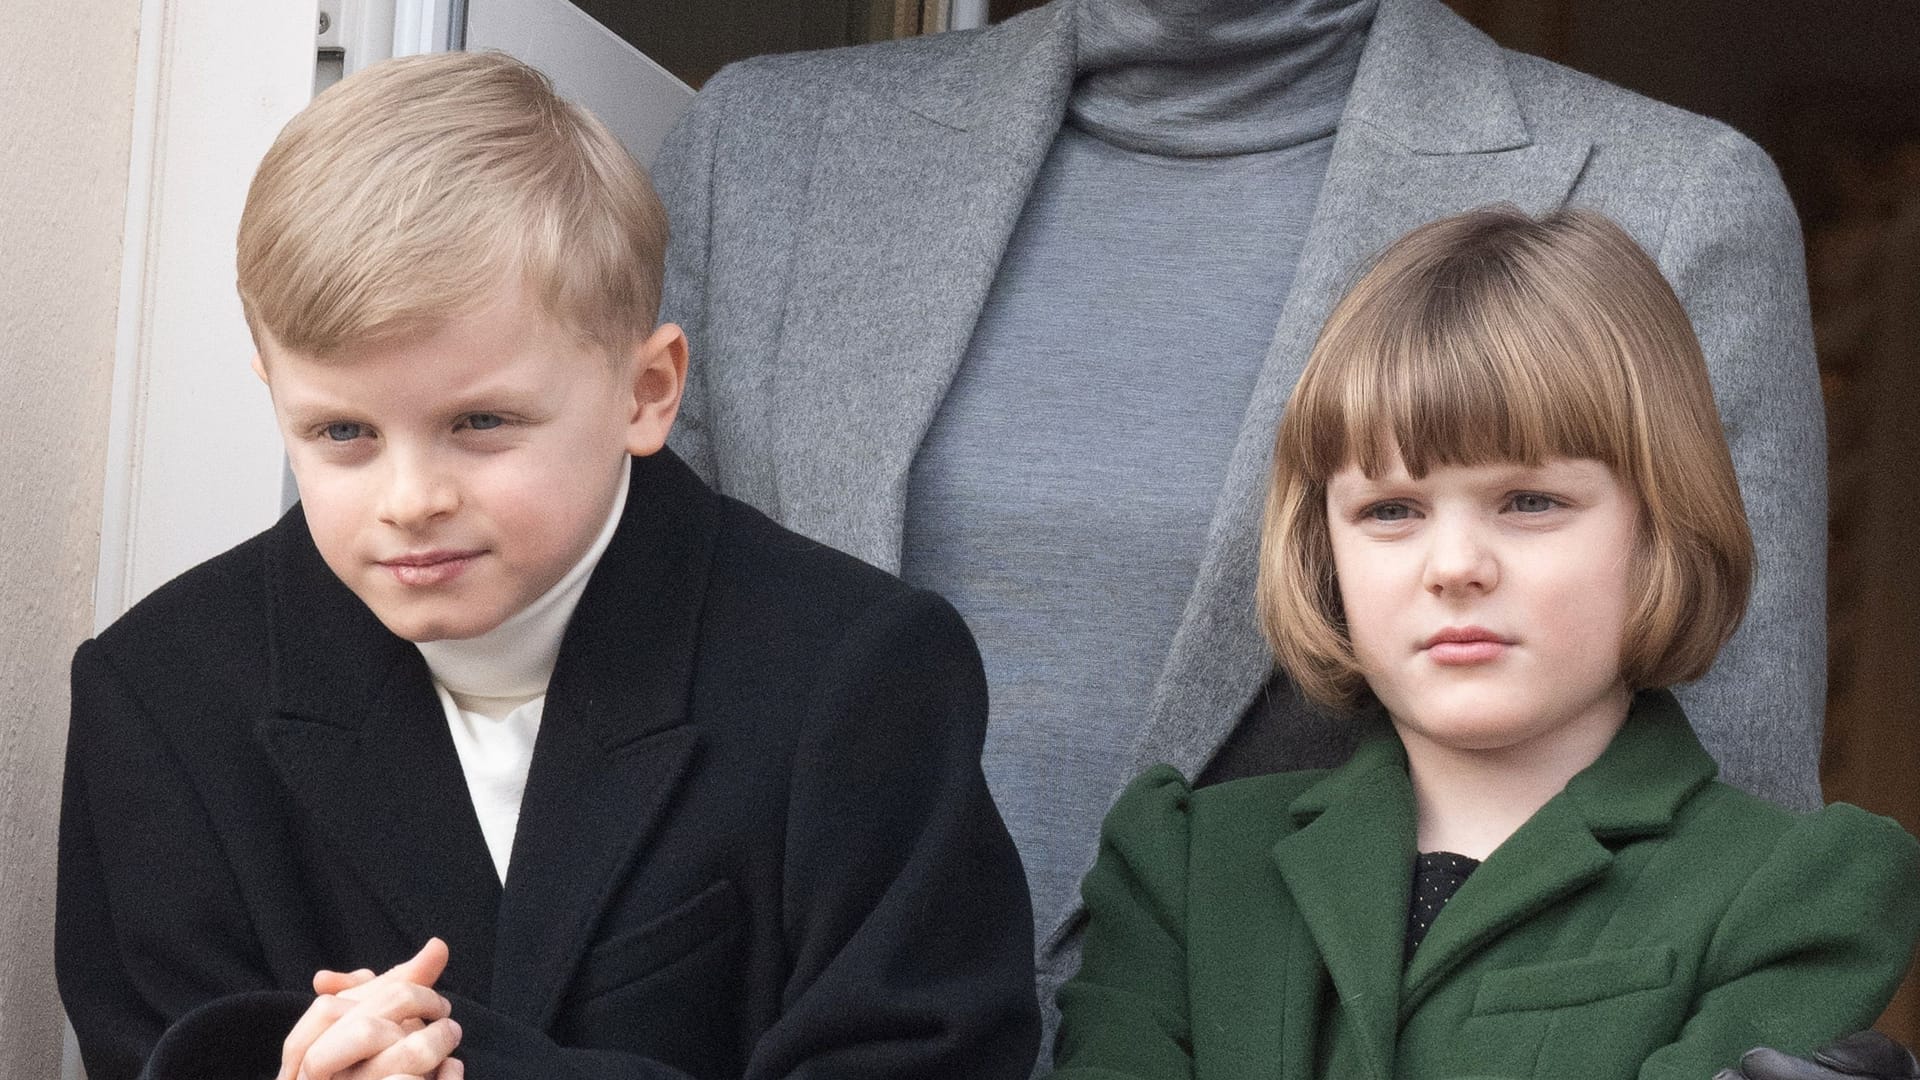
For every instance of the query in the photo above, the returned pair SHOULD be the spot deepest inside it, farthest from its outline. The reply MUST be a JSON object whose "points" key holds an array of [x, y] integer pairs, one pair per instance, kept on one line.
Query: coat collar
{"points": [[362, 743], [1433, 84], [1427, 79], [918, 180], [1635, 789], [916, 187], [1349, 864]]}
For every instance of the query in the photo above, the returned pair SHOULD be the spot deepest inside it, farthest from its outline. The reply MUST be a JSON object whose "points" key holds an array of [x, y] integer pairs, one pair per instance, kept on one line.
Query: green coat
{"points": [[1647, 921]]}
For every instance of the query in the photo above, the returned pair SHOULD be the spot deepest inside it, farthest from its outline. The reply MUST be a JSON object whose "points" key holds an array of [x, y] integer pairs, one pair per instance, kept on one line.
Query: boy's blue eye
{"points": [[484, 421], [343, 431]]}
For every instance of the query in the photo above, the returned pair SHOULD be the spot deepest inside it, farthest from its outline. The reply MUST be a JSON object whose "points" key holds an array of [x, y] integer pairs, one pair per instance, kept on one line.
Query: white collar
{"points": [[514, 661]]}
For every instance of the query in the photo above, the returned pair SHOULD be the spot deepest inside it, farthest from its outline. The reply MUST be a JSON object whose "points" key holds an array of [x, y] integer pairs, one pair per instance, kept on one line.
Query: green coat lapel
{"points": [[1552, 856], [1349, 870], [1635, 788]]}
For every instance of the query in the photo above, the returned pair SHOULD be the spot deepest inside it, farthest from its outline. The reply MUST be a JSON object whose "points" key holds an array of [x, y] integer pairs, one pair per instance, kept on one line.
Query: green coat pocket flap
{"points": [[1558, 984]]}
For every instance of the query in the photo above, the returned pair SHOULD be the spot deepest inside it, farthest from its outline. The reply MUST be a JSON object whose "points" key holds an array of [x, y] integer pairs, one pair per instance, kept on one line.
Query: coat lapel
{"points": [[613, 740], [1349, 870], [361, 743], [1349, 866], [1635, 788], [1551, 857], [910, 206], [1431, 127]]}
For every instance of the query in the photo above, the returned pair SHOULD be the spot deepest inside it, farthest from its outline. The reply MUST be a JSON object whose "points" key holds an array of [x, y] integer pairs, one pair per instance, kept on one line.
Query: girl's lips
{"points": [[1463, 653], [1458, 646], [433, 569]]}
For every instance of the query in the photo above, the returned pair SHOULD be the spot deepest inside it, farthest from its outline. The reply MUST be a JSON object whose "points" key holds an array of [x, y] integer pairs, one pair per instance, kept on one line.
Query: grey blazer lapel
{"points": [[912, 199], [1432, 127]]}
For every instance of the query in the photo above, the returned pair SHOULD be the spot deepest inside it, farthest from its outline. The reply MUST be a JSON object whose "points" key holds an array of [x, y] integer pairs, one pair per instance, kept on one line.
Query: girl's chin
{"points": [[1465, 729]]}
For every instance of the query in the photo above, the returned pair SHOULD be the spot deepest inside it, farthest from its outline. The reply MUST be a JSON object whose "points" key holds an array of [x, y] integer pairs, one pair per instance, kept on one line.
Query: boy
{"points": [[682, 793]]}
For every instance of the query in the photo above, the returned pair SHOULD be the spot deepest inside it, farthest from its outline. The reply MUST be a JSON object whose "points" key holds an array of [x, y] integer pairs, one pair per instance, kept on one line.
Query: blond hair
{"points": [[416, 189], [1493, 336]]}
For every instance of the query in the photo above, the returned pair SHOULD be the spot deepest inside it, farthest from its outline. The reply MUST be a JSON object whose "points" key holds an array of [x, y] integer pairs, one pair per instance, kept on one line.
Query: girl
{"points": [[1502, 516]]}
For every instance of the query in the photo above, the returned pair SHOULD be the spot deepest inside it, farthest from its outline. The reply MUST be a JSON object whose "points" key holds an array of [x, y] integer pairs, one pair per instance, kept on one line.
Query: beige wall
{"points": [[66, 106]]}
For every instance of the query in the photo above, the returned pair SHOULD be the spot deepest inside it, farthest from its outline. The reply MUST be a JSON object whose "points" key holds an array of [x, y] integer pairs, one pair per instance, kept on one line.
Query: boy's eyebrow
{"points": [[308, 413], [493, 395]]}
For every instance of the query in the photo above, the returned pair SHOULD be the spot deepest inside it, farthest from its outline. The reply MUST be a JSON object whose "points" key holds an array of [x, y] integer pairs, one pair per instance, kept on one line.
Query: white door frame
{"points": [[193, 458]]}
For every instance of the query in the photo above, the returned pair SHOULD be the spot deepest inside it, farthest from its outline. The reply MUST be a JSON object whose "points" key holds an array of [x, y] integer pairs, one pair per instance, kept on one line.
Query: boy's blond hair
{"points": [[1492, 336], [416, 189]]}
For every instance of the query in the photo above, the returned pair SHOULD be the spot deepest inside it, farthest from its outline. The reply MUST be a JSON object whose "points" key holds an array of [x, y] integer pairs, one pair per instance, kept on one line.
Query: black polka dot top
{"points": [[1437, 875]]}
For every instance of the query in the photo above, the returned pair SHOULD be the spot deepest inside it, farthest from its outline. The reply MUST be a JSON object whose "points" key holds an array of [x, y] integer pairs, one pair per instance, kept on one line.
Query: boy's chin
{"points": [[424, 626]]}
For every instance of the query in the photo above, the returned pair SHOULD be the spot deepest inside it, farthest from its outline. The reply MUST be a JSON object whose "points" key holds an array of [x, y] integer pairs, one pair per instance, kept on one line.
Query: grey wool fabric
{"points": [[1061, 496], [839, 220]]}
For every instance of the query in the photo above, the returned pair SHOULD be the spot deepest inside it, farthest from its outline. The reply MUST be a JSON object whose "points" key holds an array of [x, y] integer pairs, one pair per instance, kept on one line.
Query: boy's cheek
{"points": [[331, 521]]}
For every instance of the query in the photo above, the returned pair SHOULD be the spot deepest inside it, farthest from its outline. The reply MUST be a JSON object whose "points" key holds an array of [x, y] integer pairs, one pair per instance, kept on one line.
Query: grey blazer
{"points": [[838, 218]]}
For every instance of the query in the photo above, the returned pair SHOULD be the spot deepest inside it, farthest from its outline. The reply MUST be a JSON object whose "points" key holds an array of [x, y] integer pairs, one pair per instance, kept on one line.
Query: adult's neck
{"points": [[1470, 801], [1195, 78]]}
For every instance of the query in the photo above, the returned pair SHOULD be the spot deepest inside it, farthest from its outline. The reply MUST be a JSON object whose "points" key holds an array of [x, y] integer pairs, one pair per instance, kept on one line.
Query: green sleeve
{"points": [[1124, 1015], [1811, 948]]}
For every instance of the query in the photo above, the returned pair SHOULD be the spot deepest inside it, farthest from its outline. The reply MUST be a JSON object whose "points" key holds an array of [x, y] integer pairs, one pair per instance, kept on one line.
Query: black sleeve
{"points": [[911, 924], [149, 923]]}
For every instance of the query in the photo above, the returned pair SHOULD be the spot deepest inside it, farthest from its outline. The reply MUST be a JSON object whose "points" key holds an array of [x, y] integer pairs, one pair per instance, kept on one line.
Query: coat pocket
{"points": [[628, 957], [1559, 984]]}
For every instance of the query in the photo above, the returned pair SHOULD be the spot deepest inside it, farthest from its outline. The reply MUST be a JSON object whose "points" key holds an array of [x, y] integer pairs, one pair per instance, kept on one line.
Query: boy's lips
{"points": [[429, 567], [1459, 646]]}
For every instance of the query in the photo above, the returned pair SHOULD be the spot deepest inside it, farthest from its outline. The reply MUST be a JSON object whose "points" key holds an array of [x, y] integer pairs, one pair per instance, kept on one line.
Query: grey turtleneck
{"points": [[1063, 493]]}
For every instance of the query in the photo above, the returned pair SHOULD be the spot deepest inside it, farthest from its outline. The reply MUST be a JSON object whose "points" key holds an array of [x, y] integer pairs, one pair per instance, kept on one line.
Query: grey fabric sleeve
{"points": [[1733, 252], [683, 175]]}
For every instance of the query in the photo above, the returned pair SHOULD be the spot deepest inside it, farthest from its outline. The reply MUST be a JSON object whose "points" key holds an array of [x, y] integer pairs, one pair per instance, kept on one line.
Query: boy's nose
{"points": [[416, 495], [1459, 560]]}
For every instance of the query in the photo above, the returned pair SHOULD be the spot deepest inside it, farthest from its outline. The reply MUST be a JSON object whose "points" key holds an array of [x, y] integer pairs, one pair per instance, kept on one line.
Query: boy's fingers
{"points": [[398, 1003], [316, 1020], [333, 982], [352, 1028], [356, 1038], [425, 966], [419, 1054]]}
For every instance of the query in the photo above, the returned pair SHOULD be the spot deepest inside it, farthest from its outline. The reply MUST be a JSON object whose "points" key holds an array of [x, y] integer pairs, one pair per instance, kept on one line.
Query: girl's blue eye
{"points": [[484, 421], [343, 431], [1528, 502], [1388, 512]]}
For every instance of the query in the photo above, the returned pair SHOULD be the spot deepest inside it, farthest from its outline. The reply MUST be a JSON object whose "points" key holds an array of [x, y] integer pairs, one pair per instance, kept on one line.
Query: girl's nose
{"points": [[1459, 560]]}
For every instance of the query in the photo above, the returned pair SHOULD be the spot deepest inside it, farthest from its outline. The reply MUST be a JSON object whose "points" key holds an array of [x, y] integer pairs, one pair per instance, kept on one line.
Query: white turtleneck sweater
{"points": [[494, 690]]}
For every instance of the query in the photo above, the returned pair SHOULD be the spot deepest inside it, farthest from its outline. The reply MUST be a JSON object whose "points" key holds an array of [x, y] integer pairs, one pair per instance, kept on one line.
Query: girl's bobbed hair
{"points": [[1494, 336]]}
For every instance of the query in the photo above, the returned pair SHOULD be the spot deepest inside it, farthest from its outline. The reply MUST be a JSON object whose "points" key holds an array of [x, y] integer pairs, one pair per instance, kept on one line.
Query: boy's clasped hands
{"points": [[364, 1026]]}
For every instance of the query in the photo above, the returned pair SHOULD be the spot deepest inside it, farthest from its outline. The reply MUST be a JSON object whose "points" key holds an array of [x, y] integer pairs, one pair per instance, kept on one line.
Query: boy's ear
{"points": [[659, 375], [260, 368]]}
